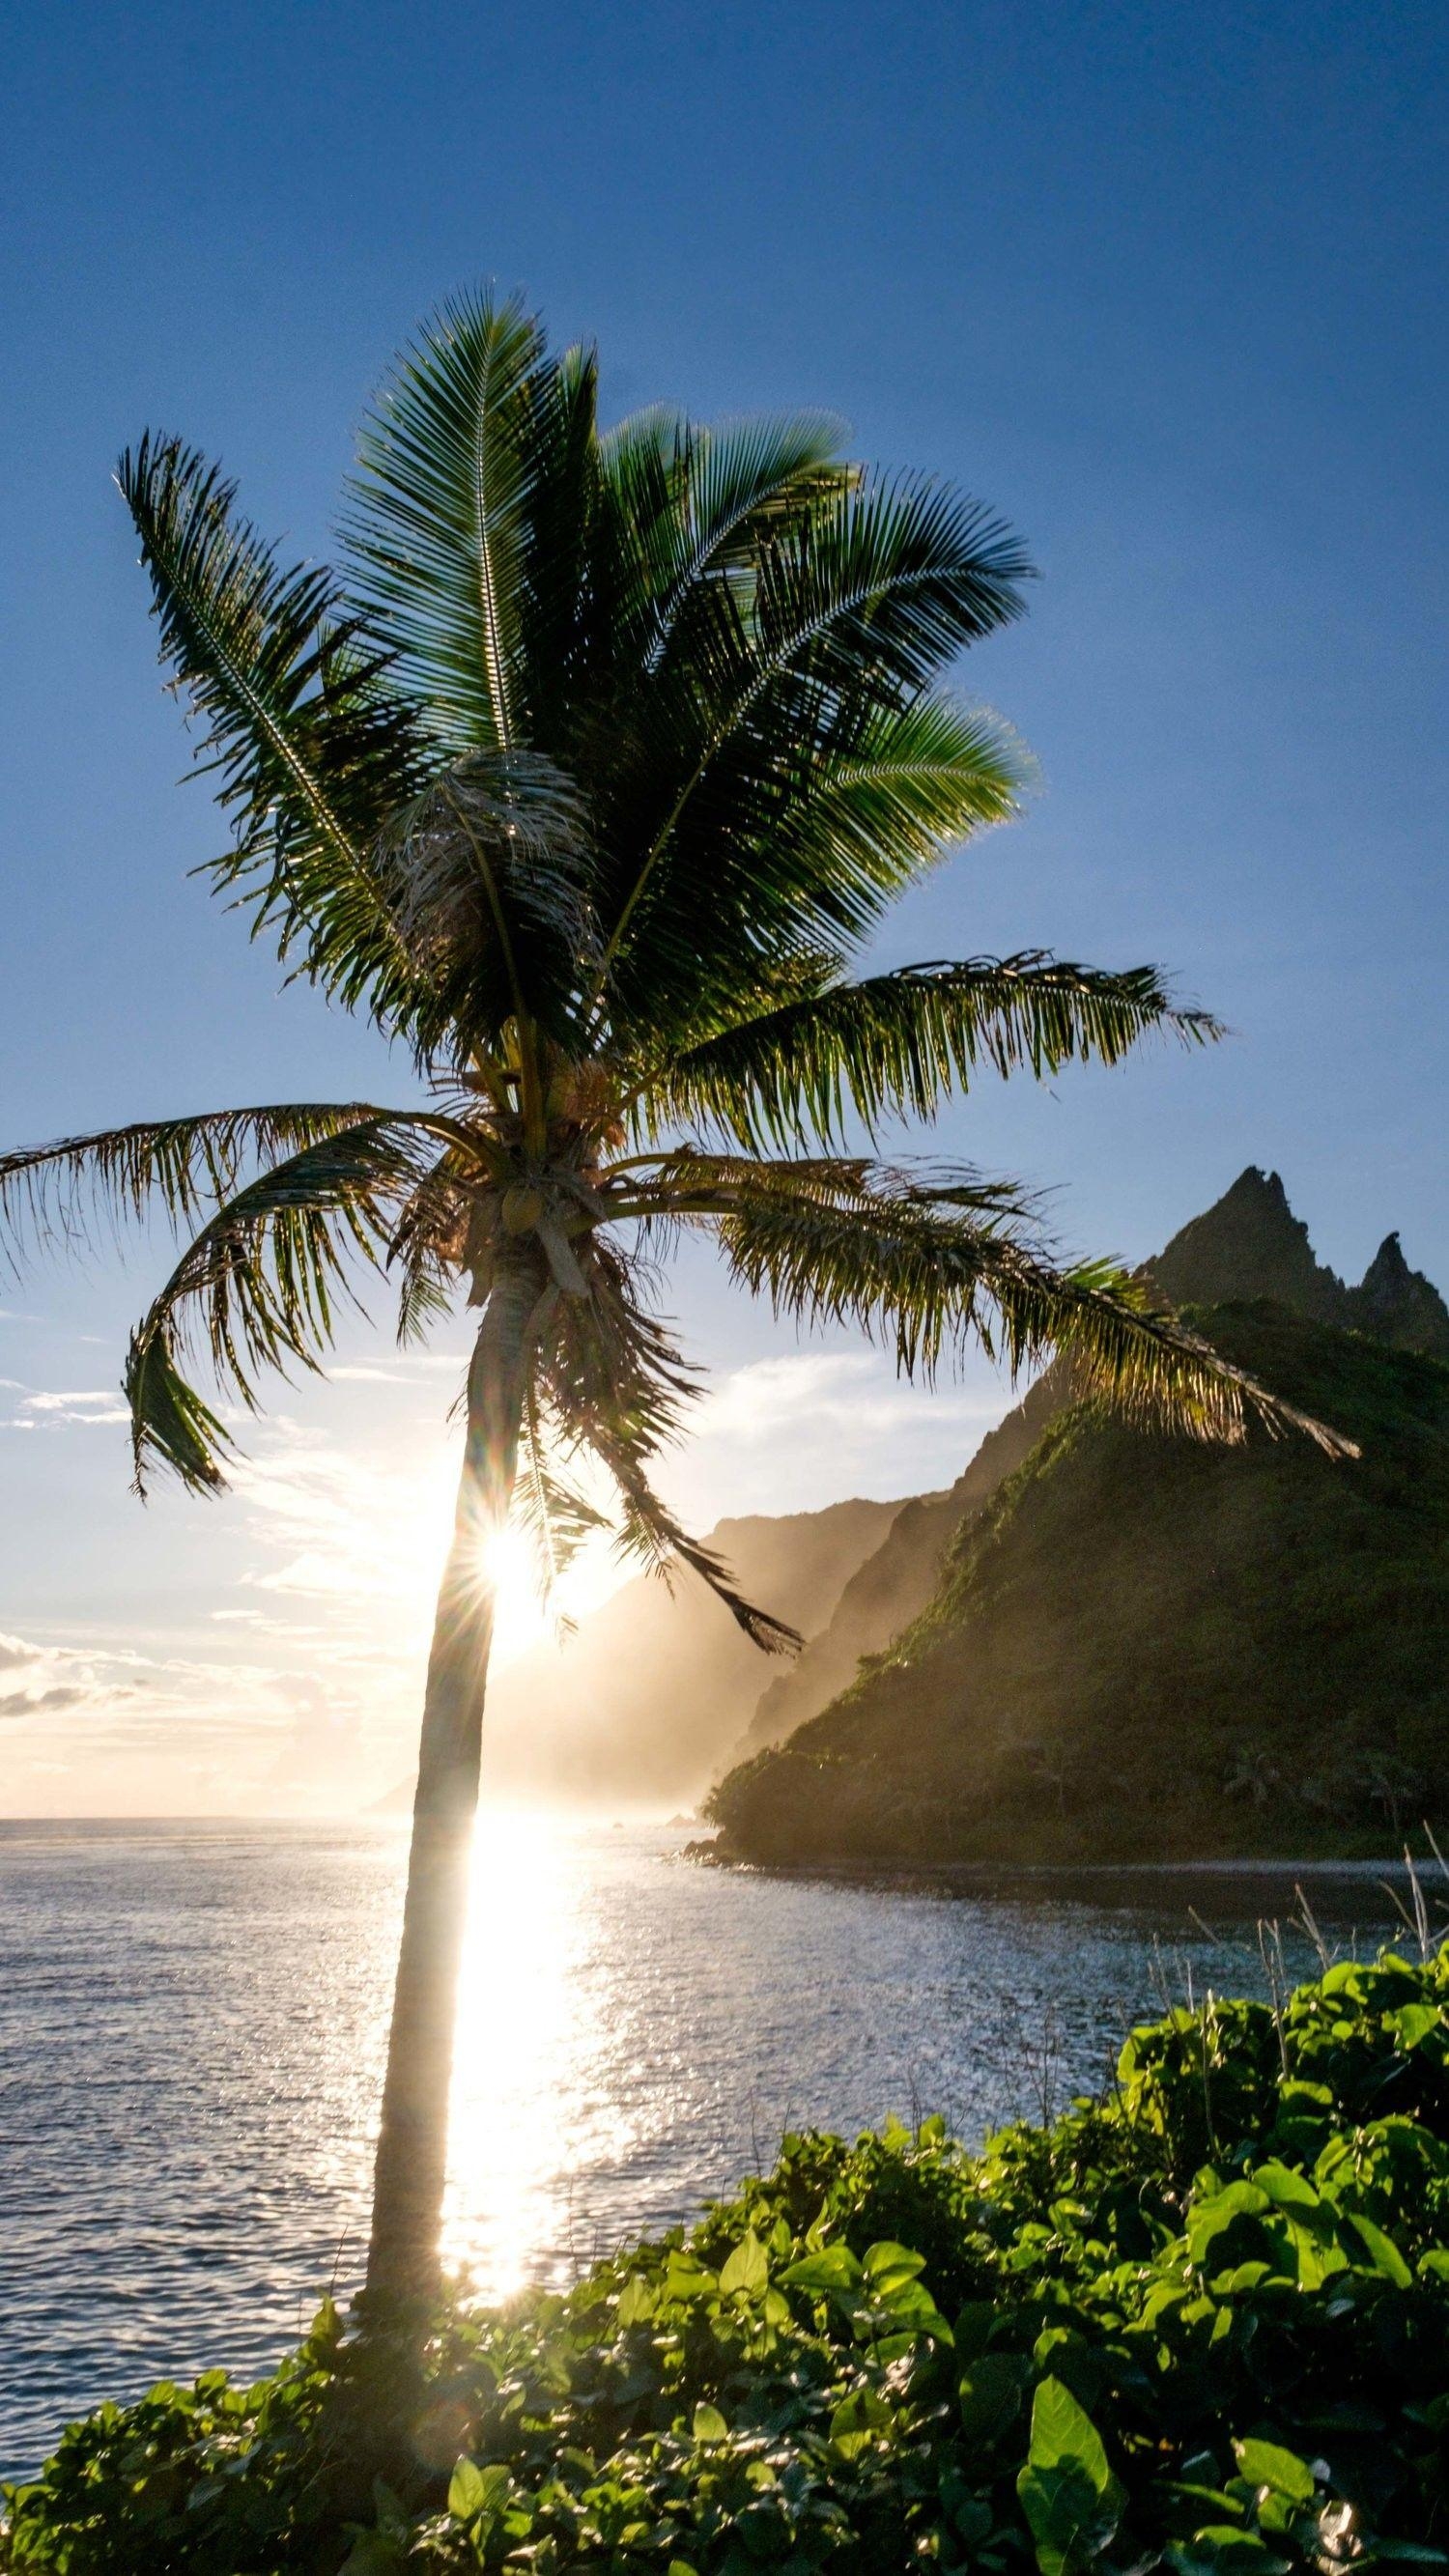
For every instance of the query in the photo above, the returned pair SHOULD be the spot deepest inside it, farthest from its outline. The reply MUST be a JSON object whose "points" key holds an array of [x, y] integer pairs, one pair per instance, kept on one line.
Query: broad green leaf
{"points": [[1383, 2251], [972, 2330], [1063, 2432], [376, 2553], [1264, 2464], [1071, 2499], [710, 2425], [911, 2305], [887, 2262], [991, 2392], [1212, 2217], [1284, 2187], [833, 2268], [747, 2270], [636, 2301], [686, 2278], [467, 2494], [859, 2420], [473, 2491], [1220, 2549]]}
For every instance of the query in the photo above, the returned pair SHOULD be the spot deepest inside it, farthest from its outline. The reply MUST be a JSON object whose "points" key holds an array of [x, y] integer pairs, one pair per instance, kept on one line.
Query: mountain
{"points": [[896, 1581], [1400, 1305], [1139, 1646], [1252, 1245], [1248, 1245], [645, 1701]]}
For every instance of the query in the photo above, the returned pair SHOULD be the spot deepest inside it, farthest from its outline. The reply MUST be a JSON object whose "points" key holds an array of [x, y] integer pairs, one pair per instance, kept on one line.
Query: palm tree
{"points": [[586, 778]]}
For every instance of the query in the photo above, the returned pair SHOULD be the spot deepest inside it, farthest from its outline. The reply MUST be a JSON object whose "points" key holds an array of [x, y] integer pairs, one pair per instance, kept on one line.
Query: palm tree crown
{"points": [[588, 777]]}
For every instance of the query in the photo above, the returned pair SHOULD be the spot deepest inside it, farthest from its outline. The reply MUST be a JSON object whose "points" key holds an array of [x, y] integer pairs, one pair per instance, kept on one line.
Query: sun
{"points": [[520, 1615]]}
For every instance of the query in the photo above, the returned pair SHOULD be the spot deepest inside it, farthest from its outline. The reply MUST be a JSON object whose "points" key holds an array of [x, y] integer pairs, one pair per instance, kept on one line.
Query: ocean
{"points": [[192, 2021]]}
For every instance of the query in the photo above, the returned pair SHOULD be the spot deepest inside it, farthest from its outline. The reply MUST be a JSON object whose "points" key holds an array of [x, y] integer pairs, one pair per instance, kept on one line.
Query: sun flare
{"points": [[520, 1614]]}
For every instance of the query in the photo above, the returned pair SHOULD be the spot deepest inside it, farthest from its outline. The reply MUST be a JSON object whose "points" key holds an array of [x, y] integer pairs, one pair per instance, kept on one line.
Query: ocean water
{"points": [[192, 2020]]}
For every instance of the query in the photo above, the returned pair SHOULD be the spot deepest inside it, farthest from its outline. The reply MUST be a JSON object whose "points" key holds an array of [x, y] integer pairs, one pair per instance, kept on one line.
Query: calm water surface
{"points": [[191, 2032]]}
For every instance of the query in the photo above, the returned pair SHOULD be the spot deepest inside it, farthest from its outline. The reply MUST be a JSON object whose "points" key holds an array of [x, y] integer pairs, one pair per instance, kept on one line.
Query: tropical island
{"points": [[686, 1263]]}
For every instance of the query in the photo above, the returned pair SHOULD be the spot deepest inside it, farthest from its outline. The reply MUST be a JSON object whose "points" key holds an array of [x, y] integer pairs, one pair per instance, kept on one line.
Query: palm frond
{"points": [[79, 1190], [308, 748], [653, 1536], [896, 1045], [563, 634], [854, 607], [610, 1374], [926, 1266], [554, 1515], [909, 784], [685, 504], [438, 516], [258, 1288], [608, 1358], [689, 1181]]}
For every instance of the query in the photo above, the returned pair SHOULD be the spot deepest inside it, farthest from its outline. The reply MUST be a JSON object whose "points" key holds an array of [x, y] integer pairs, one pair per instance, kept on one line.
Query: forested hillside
{"points": [[1138, 1646]]}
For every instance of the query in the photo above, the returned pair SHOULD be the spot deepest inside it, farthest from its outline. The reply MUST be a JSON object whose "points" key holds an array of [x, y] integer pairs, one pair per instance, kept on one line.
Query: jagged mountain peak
{"points": [[1400, 1305], [1249, 1244]]}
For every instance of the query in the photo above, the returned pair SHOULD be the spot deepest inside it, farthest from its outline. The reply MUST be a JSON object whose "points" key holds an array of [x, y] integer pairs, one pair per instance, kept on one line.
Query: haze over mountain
{"points": [[642, 1704], [1137, 1645]]}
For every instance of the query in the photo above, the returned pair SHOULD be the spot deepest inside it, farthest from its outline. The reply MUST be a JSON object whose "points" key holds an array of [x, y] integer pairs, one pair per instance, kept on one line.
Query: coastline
{"points": [[1108, 1882]]}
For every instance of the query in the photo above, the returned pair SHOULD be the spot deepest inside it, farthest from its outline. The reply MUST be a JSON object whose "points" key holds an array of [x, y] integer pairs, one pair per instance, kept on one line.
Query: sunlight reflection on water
{"points": [[533, 2016]]}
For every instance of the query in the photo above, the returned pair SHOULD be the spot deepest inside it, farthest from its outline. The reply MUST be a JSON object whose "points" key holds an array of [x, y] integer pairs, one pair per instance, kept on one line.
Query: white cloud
{"points": [[48, 1408], [853, 1391], [81, 1404], [43, 1678], [20, 1703], [803, 1429], [147, 1691]]}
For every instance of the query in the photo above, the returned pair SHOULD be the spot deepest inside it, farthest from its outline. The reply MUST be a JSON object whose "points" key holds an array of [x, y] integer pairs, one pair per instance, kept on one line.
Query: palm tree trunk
{"points": [[403, 2260]]}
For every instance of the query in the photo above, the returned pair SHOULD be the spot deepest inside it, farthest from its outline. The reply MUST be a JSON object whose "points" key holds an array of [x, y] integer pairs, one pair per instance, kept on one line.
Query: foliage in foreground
{"points": [[1201, 2325]]}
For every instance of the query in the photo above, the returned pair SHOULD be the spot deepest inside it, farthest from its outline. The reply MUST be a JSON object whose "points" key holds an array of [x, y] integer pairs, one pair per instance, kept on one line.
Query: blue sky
{"points": [[1165, 285]]}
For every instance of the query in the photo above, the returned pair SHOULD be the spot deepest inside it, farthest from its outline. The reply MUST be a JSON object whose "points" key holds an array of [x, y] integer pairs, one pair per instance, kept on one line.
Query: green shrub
{"points": [[1201, 2325]]}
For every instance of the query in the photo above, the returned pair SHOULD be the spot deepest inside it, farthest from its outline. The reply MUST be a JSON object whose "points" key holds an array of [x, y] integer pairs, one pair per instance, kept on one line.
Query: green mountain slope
{"points": [[1142, 1648], [1249, 1244]]}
